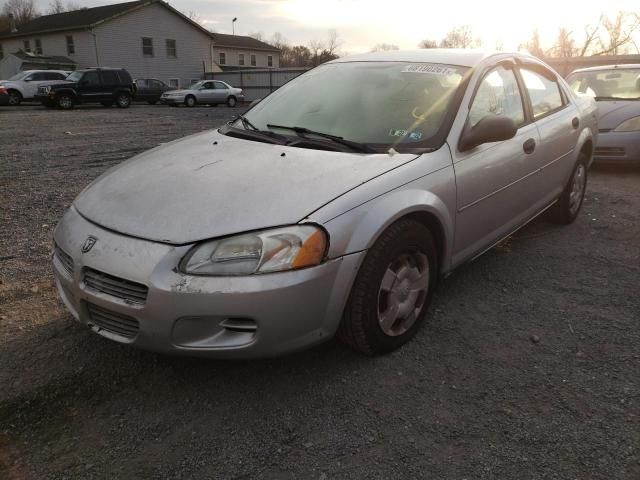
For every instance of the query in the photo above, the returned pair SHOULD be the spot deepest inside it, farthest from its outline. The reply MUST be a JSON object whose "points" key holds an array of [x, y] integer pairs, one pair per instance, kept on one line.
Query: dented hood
{"points": [[209, 185]]}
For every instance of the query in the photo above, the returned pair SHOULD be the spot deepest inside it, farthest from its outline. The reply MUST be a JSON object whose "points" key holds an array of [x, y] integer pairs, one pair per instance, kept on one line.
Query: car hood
{"points": [[613, 113], [210, 185]]}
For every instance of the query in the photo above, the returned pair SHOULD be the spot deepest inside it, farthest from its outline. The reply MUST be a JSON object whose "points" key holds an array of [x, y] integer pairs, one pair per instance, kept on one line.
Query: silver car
{"points": [[24, 85], [617, 90], [332, 207], [204, 92]]}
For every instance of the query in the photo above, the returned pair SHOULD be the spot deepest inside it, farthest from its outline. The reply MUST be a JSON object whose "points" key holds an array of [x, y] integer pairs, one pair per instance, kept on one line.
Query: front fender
{"points": [[433, 195]]}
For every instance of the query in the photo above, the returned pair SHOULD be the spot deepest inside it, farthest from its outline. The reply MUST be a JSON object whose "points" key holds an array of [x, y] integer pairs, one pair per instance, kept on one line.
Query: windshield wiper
{"points": [[617, 98], [247, 124], [357, 146], [251, 131]]}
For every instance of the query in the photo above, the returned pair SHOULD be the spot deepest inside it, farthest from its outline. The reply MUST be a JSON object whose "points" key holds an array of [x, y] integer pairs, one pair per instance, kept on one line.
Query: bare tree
{"points": [[279, 41], [591, 36], [23, 11], [333, 42], [565, 45], [618, 33], [460, 37], [384, 47], [56, 6], [426, 43], [533, 45], [257, 36]]}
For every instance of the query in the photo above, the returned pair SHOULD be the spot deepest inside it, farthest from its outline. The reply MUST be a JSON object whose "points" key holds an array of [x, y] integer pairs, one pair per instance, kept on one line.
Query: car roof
{"points": [[623, 66], [448, 56]]}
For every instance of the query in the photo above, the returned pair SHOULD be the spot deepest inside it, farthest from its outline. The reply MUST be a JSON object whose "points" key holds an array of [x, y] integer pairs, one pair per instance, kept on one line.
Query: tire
{"points": [[65, 101], [190, 101], [567, 208], [106, 104], [15, 98], [398, 274], [232, 102], [123, 100]]}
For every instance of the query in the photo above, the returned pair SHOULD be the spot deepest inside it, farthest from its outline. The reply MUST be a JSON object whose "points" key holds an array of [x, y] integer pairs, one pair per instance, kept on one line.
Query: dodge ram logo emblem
{"points": [[88, 244]]}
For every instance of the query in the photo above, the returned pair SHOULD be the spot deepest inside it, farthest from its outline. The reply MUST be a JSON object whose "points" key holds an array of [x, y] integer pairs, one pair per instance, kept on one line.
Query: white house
{"points": [[149, 38]]}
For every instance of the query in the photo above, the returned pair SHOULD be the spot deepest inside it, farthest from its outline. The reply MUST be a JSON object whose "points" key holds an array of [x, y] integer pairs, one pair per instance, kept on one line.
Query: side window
{"points": [[208, 86], [40, 76], [544, 93], [90, 78], [156, 84], [498, 94], [109, 77], [55, 76], [142, 82], [220, 86]]}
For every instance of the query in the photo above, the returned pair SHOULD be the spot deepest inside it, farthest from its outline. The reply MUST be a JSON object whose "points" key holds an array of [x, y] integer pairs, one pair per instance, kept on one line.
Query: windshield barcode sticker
{"points": [[430, 68]]}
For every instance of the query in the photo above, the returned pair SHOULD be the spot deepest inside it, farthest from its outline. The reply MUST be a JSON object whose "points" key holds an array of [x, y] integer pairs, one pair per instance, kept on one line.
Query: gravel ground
{"points": [[528, 368]]}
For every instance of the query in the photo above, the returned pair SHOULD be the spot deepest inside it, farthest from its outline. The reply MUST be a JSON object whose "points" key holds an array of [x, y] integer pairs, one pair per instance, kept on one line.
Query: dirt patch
{"points": [[529, 366]]}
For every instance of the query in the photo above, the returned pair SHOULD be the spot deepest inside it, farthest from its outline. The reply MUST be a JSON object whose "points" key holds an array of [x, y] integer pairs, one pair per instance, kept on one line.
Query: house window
{"points": [[270, 60], [71, 49], [253, 60], [171, 48], [241, 59], [174, 82], [194, 80], [38, 49], [223, 58], [147, 46], [27, 46]]}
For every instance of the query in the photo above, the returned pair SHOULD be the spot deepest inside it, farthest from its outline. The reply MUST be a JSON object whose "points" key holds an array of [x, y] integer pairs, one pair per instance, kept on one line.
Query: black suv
{"points": [[95, 85]]}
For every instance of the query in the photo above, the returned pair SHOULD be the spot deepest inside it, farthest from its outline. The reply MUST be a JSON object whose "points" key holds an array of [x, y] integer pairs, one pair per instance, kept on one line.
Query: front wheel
{"points": [[123, 100], [566, 209], [392, 290], [65, 101], [190, 101], [231, 102]]}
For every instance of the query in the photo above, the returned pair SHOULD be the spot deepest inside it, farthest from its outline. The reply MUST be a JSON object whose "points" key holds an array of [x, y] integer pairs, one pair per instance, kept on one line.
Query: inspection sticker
{"points": [[430, 68], [396, 132]]}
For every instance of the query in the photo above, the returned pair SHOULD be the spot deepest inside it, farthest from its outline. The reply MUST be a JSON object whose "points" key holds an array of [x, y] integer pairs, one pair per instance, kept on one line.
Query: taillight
{"points": [[3, 90]]}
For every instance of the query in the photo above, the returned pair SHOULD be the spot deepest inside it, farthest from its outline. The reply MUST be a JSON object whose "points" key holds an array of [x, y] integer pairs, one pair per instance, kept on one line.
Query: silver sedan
{"points": [[331, 207], [204, 92]]}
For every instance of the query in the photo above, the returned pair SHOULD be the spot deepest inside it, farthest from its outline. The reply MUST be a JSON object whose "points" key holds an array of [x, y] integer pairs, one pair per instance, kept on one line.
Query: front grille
{"points": [[113, 322], [64, 260], [610, 151], [116, 287]]}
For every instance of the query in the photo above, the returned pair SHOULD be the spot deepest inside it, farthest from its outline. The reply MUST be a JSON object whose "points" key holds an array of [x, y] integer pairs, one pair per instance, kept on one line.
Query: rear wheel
{"points": [[566, 209], [15, 98], [65, 101], [231, 102], [190, 101], [389, 298], [123, 100]]}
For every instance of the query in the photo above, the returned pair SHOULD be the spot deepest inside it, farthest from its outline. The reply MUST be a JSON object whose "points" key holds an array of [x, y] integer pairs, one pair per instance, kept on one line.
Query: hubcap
{"points": [[65, 102], [191, 102], [232, 102], [14, 99], [123, 101], [402, 293], [577, 189]]}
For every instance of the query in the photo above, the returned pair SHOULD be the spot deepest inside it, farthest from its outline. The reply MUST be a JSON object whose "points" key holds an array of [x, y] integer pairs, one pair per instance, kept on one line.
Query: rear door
{"points": [[110, 83], [558, 122], [221, 92], [207, 94], [496, 185], [90, 87]]}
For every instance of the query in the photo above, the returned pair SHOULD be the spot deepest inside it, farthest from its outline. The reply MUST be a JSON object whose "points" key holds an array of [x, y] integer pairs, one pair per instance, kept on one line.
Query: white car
{"points": [[24, 85], [205, 92]]}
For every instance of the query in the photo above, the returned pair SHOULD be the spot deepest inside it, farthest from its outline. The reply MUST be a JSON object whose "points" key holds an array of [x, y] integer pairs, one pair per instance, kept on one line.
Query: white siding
{"points": [[233, 57], [56, 44], [120, 45]]}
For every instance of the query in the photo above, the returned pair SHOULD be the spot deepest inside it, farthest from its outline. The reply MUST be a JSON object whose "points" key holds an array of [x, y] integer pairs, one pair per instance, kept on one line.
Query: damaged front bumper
{"points": [[130, 290]]}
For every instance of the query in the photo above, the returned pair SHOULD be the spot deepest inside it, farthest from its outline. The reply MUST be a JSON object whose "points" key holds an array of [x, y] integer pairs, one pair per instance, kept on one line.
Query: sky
{"points": [[361, 24]]}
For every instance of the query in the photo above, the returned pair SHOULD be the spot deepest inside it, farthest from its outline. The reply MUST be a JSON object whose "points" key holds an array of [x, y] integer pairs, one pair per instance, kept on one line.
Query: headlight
{"points": [[631, 125], [274, 250]]}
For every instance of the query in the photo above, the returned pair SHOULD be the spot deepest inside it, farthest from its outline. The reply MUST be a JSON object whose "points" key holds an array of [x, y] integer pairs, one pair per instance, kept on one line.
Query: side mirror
{"points": [[28, 79], [255, 102], [494, 128]]}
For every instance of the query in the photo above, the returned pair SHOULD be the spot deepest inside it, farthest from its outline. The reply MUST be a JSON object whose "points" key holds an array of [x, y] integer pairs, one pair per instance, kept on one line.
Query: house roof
{"points": [[87, 18], [44, 59], [240, 41]]}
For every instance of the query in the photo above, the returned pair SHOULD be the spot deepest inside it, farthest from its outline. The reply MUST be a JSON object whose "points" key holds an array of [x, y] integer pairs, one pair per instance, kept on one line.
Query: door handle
{"points": [[529, 146], [575, 123]]}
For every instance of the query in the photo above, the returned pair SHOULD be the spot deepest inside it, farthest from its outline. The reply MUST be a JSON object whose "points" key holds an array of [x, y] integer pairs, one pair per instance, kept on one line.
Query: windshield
{"points": [[196, 85], [387, 103], [75, 76], [19, 76], [623, 83]]}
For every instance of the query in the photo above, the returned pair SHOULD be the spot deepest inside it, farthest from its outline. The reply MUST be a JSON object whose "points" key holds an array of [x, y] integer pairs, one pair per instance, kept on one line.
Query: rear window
{"points": [[109, 78], [125, 77]]}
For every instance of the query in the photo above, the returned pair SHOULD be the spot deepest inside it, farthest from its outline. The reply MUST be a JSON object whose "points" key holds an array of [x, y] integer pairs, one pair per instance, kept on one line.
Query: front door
{"points": [[496, 185]]}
